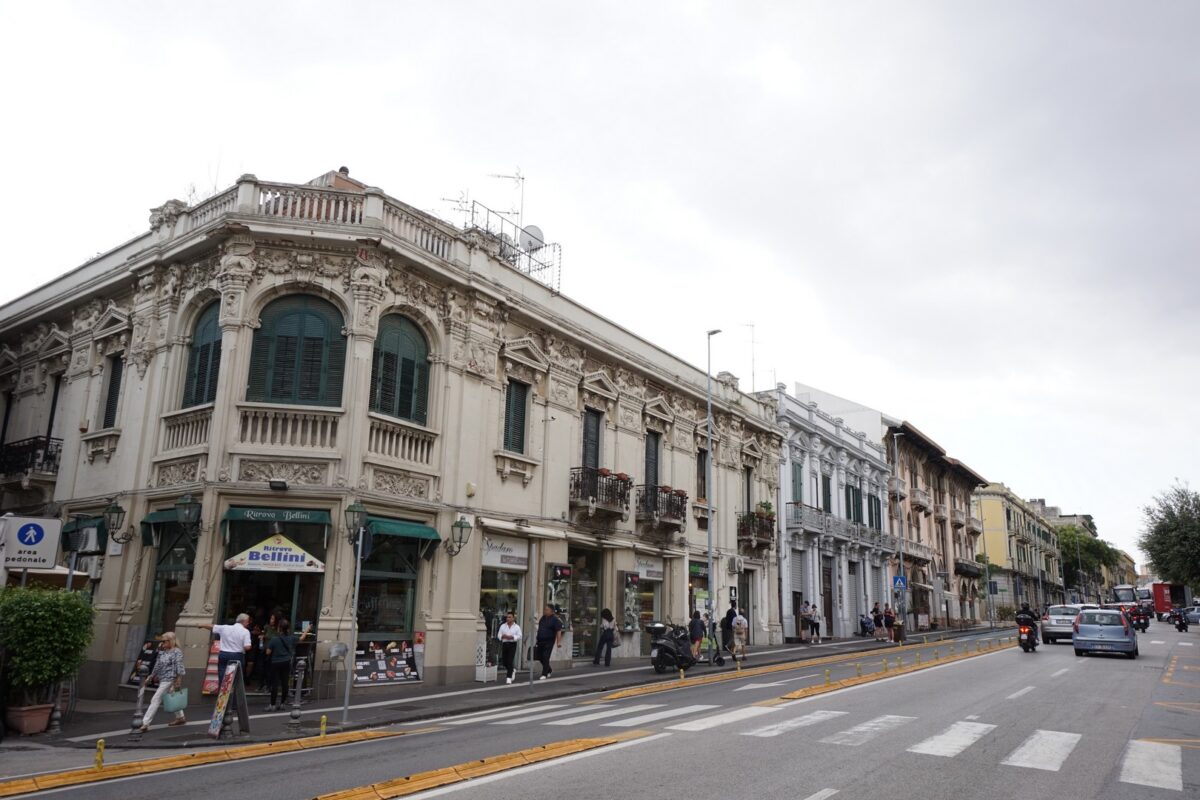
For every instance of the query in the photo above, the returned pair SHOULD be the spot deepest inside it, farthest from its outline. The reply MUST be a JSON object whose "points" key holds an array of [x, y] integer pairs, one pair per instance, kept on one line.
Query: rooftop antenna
{"points": [[462, 204], [750, 325], [519, 179]]}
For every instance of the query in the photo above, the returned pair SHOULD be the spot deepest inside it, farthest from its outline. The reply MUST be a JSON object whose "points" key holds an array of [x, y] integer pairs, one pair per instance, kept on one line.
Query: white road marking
{"points": [[1185, 644], [776, 683], [972, 716], [612, 712], [520, 771], [1062, 671], [484, 716], [861, 734], [1045, 750], [1157, 641], [1153, 764], [798, 722], [821, 795], [953, 740], [1020, 692], [728, 718], [562, 712], [656, 716]]}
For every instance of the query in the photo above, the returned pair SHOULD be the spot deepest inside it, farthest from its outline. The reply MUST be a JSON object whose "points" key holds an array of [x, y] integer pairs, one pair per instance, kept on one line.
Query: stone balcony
{"points": [[940, 512], [917, 551], [974, 526], [29, 469], [919, 499], [897, 488], [600, 492], [968, 568], [958, 517]]}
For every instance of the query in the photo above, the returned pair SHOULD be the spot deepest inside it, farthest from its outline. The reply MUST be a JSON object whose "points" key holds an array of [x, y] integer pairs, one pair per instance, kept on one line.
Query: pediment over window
{"points": [[658, 408], [55, 344], [702, 435], [751, 450], [113, 321], [8, 358], [525, 351], [599, 384]]}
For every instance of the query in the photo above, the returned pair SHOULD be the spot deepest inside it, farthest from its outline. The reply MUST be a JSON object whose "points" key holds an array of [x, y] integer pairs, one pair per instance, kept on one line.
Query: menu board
{"points": [[380, 662]]}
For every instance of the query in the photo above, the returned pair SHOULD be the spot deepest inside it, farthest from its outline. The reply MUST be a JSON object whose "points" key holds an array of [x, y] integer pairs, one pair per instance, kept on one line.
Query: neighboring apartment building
{"points": [[834, 488], [280, 352], [1024, 544], [929, 509], [1055, 516]]}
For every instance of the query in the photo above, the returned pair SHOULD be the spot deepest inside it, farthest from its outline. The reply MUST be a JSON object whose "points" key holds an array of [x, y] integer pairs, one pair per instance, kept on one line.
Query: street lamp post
{"points": [[899, 518], [708, 491], [356, 522]]}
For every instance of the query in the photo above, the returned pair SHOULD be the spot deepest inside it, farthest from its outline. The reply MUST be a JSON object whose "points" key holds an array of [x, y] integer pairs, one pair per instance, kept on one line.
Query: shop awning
{"points": [[532, 531], [302, 515], [74, 538], [83, 523], [398, 527], [160, 517], [924, 586]]}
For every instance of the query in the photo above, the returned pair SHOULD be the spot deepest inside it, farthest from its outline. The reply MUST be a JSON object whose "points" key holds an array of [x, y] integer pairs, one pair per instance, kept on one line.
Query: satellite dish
{"points": [[532, 238]]}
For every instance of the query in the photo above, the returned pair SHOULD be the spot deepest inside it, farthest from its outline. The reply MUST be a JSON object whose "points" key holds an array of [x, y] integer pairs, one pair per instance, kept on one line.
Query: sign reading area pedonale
{"points": [[30, 542], [275, 554]]}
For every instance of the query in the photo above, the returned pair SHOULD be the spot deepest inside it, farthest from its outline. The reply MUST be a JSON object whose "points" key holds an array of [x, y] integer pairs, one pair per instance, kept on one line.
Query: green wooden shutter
{"points": [[652, 441], [849, 503], [591, 438], [204, 359], [335, 364], [826, 493], [514, 416], [116, 367], [260, 356], [214, 370], [797, 482], [299, 353], [400, 370], [421, 391]]}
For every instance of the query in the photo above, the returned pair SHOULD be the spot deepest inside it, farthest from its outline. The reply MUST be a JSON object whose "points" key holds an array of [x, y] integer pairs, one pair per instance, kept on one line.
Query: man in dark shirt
{"points": [[727, 626], [549, 639]]}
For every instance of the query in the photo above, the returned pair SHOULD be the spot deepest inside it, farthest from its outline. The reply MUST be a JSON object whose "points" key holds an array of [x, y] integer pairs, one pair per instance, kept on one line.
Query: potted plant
{"points": [[665, 489], [765, 509], [623, 476], [604, 472], [44, 634]]}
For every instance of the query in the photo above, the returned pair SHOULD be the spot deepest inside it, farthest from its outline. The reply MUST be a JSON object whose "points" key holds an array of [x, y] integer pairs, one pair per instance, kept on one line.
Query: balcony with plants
{"points": [[757, 529], [600, 492], [661, 506]]}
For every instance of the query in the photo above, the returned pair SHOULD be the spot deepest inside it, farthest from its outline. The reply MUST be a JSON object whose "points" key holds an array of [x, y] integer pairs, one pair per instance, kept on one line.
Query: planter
{"points": [[28, 720], [604, 472]]}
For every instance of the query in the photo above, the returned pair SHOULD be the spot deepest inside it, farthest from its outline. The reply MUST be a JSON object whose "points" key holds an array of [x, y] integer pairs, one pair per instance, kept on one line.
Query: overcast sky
{"points": [[978, 217]]}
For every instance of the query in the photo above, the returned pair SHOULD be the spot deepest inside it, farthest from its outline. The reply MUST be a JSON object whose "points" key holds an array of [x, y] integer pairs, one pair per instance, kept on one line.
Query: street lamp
{"points": [[114, 519], [708, 498], [356, 526], [460, 534], [187, 514]]}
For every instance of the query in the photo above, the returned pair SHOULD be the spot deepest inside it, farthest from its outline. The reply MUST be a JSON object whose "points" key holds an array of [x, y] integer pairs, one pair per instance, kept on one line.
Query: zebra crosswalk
{"points": [[1143, 763]]}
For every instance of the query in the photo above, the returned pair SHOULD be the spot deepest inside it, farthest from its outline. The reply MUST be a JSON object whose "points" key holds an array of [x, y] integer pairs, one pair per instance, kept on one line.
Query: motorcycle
{"points": [[670, 647], [1139, 620], [1027, 638], [1179, 619]]}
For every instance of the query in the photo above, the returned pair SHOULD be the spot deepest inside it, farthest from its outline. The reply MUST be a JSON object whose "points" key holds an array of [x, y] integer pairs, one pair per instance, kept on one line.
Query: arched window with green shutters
{"points": [[204, 360], [400, 370], [299, 353]]}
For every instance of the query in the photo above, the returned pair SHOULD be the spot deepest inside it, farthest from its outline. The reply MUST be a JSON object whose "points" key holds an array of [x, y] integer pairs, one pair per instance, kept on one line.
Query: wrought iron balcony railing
{"points": [[755, 530], [661, 505], [36, 454], [600, 490]]}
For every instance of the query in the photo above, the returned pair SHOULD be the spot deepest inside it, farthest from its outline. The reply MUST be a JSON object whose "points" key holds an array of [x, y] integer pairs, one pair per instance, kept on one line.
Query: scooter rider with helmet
{"points": [[1026, 617]]}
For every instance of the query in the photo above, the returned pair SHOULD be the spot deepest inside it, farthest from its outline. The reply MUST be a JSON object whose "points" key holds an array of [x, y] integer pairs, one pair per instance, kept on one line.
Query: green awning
{"points": [[82, 523], [398, 527], [302, 515], [161, 517]]}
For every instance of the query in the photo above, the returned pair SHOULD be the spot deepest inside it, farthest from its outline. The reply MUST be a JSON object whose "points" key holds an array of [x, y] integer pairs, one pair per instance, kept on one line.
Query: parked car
{"points": [[1104, 630], [1193, 615], [1058, 622]]}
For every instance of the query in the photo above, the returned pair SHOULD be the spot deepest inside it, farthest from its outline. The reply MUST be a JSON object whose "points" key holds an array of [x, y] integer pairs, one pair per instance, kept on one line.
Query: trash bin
{"points": [[898, 630]]}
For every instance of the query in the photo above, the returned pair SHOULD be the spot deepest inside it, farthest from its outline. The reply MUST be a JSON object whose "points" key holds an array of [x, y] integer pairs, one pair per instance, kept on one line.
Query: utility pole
{"points": [[712, 510]]}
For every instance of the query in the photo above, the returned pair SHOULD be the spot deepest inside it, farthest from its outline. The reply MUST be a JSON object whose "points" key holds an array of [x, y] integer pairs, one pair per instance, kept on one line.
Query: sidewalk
{"points": [[405, 703]]}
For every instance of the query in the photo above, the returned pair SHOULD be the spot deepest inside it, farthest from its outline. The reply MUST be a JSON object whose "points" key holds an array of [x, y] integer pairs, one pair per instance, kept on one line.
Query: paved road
{"points": [[1001, 725]]}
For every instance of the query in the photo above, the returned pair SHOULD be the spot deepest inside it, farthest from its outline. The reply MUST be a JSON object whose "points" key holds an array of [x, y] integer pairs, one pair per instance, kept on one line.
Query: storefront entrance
{"points": [[502, 587], [584, 598], [698, 587], [172, 575]]}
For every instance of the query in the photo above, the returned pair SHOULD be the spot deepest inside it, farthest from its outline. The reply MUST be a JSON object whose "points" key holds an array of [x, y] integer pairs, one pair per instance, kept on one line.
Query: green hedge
{"points": [[45, 634]]}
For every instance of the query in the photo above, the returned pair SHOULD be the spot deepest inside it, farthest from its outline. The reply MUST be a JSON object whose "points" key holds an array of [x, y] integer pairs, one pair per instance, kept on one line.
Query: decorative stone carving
{"points": [[166, 214], [564, 355], [236, 254], [297, 472], [509, 464], [177, 472], [85, 316], [401, 484]]}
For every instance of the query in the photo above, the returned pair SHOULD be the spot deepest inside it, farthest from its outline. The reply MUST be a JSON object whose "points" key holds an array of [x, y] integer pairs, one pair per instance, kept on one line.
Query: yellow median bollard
{"points": [[885, 665], [99, 754], [899, 662], [858, 670], [680, 673], [826, 677], [936, 654], [918, 659], [324, 722]]}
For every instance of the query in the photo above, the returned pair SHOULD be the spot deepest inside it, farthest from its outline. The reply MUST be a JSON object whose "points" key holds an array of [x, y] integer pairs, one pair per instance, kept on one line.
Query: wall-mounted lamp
{"points": [[187, 514], [460, 534], [114, 519]]}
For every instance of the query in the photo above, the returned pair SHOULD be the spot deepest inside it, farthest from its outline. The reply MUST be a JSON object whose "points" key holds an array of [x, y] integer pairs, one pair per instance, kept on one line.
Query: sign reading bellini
{"points": [[275, 554]]}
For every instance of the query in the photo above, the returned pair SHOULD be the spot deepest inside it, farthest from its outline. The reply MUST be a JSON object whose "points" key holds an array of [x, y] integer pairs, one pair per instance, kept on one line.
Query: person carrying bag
{"points": [[168, 674]]}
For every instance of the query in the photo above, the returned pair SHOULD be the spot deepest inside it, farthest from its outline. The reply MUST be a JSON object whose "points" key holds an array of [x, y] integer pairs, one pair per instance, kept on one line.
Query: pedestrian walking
{"points": [[235, 643], [727, 626], [279, 653], [168, 674], [696, 633], [805, 621], [815, 625], [608, 632], [509, 634], [877, 621], [548, 639], [741, 634], [889, 623]]}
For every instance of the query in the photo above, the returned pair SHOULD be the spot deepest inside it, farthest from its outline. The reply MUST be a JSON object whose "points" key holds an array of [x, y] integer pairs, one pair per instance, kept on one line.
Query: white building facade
{"points": [[280, 352], [837, 551]]}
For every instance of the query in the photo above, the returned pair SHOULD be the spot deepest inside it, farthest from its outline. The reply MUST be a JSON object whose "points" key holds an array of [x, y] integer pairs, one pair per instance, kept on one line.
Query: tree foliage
{"points": [[1079, 549], [45, 634], [1171, 540]]}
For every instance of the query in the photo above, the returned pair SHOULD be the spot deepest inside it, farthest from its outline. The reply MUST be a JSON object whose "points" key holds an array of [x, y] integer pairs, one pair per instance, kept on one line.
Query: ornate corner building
{"points": [[280, 351]]}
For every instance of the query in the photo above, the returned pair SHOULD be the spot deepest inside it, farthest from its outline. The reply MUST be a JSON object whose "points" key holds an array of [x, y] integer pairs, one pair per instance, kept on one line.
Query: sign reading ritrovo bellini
{"points": [[275, 554]]}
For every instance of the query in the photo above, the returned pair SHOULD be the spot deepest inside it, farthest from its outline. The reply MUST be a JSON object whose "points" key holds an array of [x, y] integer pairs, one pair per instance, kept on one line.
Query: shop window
{"points": [[388, 589], [172, 577], [112, 391], [299, 353], [515, 399], [204, 359], [400, 370]]}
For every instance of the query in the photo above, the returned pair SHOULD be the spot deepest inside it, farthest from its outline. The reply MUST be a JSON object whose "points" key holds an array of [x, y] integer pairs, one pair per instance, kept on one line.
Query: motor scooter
{"points": [[670, 647], [1027, 638], [1179, 619]]}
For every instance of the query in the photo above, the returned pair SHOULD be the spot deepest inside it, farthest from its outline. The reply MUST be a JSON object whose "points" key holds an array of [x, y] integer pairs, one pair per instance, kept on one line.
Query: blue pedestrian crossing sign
{"points": [[899, 582], [30, 534], [29, 542]]}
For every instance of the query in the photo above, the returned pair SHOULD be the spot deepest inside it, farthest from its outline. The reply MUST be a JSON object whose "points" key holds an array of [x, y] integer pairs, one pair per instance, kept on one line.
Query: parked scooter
{"points": [[670, 647]]}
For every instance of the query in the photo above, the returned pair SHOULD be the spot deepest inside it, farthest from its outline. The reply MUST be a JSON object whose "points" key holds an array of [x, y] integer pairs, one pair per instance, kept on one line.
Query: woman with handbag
{"points": [[168, 674], [280, 651], [605, 644]]}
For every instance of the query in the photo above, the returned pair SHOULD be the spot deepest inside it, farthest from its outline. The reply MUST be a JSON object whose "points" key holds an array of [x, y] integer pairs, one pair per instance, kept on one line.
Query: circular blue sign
{"points": [[30, 534]]}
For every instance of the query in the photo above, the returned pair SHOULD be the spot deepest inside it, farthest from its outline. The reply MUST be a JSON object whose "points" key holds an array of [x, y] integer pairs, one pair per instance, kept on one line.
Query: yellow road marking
{"points": [[669, 686], [421, 781], [1179, 706], [76, 777], [1188, 744]]}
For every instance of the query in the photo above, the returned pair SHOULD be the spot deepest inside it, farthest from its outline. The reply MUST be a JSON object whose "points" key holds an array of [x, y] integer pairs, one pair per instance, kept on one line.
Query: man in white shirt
{"points": [[235, 643], [509, 634]]}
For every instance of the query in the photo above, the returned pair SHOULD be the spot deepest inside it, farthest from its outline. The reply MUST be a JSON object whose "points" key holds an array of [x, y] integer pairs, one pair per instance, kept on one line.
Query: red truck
{"points": [[1169, 595]]}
